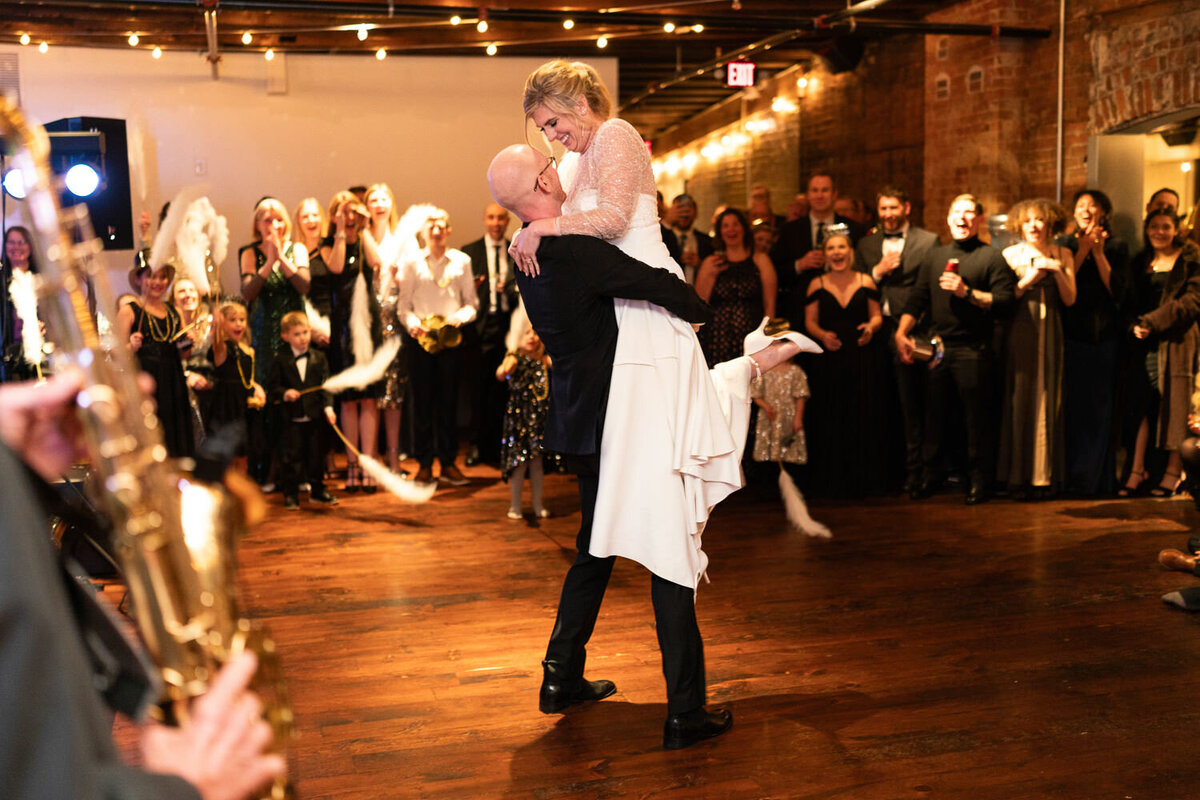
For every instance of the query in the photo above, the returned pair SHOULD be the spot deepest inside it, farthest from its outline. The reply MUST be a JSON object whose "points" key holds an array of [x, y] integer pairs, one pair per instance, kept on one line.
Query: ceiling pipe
{"points": [[210, 32], [852, 11]]}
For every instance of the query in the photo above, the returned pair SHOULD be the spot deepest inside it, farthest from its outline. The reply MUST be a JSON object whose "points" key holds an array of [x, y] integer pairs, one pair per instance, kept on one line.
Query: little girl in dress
{"points": [[780, 395], [527, 370], [234, 388]]}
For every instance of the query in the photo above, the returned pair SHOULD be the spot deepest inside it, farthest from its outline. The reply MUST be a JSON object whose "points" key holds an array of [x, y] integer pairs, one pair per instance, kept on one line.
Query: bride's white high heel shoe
{"points": [[758, 340]]}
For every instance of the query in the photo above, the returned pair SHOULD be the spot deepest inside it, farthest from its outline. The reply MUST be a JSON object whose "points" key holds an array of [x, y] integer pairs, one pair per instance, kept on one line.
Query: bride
{"points": [[673, 432]]}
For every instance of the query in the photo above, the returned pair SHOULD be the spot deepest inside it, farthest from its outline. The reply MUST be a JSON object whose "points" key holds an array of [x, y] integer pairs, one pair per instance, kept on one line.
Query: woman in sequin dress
{"points": [[738, 283], [382, 207]]}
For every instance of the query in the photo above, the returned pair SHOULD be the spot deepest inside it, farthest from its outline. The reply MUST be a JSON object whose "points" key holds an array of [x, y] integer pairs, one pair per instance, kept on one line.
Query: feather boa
{"points": [[23, 291], [797, 511], [164, 242], [361, 375], [360, 322], [409, 491], [318, 323], [203, 235]]}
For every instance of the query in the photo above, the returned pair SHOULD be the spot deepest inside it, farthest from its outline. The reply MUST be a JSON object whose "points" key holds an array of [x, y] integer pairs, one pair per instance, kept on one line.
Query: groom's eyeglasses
{"points": [[551, 163]]}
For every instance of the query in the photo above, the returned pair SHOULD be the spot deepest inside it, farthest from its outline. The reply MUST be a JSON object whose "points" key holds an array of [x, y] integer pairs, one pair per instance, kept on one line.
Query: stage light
{"points": [[247, 38], [133, 40], [381, 54], [13, 184], [24, 38], [492, 49], [269, 55], [156, 52], [82, 180], [602, 42], [568, 23]]}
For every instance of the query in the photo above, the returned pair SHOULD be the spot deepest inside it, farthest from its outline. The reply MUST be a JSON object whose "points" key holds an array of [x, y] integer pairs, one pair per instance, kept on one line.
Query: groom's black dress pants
{"points": [[583, 592]]}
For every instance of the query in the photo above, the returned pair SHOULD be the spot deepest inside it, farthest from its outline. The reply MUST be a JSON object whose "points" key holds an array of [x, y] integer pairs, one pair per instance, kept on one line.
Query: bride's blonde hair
{"points": [[558, 85]]}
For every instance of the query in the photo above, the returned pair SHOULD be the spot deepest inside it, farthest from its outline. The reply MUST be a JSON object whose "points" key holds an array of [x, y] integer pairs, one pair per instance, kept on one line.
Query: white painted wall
{"points": [[428, 126]]}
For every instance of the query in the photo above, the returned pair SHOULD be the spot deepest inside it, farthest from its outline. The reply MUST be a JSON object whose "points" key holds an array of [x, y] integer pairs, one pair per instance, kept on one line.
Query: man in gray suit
{"points": [[891, 254]]}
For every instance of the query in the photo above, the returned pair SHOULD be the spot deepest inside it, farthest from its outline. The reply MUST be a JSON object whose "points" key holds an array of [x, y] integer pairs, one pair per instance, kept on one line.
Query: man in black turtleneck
{"points": [[962, 303]]}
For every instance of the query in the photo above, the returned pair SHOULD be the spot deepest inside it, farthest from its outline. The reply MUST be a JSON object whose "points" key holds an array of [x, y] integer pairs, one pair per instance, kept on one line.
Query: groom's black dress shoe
{"points": [[560, 692], [685, 730]]}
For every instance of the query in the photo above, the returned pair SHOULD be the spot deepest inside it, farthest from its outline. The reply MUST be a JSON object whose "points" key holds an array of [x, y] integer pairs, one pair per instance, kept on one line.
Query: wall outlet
{"points": [[201, 167]]}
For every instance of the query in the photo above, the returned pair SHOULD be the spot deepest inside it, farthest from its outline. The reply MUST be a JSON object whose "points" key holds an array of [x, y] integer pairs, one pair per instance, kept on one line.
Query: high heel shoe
{"points": [[352, 479], [1135, 489], [1168, 491], [758, 339]]}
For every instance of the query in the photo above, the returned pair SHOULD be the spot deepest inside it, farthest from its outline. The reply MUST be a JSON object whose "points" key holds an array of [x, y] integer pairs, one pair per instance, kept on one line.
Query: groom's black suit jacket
{"points": [[570, 303]]}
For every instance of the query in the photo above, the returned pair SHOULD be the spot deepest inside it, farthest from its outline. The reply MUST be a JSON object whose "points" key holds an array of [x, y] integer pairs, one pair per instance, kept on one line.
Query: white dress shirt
{"points": [[432, 285]]}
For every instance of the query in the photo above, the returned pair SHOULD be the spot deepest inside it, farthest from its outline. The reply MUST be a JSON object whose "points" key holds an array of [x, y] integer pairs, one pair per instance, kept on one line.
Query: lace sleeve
{"points": [[617, 166]]}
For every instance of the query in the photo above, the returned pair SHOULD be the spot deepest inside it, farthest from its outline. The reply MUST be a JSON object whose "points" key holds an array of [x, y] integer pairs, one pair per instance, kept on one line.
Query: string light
{"points": [[247, 38], [602, 42], [362, 33], [568, 23], [156, 52], [455, 20], [697, 28], [24, 38], [269, 55], [133, 40], [482, 26], [669, 27], [1186, 166], [492, 49], [802, 83], [381, 54], [43, 47]]}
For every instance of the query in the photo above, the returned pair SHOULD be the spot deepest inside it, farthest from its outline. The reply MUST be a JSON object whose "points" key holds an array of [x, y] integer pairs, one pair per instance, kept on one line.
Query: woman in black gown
{"points": [[739, 284], [152, 326], [844, 418]]}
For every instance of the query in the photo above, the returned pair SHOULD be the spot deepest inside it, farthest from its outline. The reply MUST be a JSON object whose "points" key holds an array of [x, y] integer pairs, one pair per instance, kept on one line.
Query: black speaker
{"points": [[102, 143], [843, 53]]}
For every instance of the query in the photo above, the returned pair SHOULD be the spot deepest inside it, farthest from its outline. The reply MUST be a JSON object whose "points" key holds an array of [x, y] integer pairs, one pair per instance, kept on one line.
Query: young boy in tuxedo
{"points": [[295, 369]]}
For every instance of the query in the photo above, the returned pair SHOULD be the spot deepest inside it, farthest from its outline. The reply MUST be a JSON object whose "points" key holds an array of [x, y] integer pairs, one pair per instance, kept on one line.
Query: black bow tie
{"points": [[893, 235], [302, 355]]}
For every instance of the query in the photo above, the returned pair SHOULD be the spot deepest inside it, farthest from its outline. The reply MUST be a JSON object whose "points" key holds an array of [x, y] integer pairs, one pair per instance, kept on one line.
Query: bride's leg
{"points": [[774, 354]]}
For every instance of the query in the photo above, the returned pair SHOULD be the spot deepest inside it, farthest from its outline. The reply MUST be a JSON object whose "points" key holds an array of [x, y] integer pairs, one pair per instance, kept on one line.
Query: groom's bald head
{"points": [[521, 180]]}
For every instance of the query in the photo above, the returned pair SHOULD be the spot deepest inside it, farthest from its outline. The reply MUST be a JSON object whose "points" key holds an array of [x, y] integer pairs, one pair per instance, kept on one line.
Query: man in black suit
{"points": [[892, 256], [570, 302], [798, 254], [295, 377], [483, 343], [694, 246]]}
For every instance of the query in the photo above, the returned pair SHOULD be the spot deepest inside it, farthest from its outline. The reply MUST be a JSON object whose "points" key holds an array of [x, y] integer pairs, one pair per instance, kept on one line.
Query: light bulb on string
{"points": [[482, 26], [43, 47], [269, 55], [669, 27], [381, 54], [568, 23], [247, 38], [133, 40], [362, 33], [156, 52], [24, 38], [455, 20], [602, 42], [492, 49], [697, 28]]}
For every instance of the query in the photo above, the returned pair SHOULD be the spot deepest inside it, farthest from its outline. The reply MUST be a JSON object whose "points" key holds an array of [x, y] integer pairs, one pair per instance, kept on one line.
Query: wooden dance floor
{"points": [[930, 650]]}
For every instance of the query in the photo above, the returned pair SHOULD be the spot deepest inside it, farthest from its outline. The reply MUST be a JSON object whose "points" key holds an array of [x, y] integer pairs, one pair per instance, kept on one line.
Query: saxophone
{"points": [[175, 530]]}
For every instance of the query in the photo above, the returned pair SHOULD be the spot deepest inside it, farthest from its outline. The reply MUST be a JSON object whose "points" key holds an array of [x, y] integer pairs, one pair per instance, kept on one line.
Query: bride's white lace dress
{"points": [[674, 430]]}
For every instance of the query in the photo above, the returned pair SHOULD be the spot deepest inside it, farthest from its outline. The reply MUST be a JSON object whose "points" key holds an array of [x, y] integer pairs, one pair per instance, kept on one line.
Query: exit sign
{"points": [[739, 73]]}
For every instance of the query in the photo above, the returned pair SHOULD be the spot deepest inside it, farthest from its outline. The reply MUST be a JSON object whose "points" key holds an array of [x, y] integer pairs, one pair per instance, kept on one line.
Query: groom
{"points": [[571, 305]]}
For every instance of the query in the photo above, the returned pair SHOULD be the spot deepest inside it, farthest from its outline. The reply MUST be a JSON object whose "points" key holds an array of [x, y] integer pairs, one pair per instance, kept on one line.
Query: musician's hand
{"points": [[291, 395], [38, 422], [220, 750], [135, 341]]}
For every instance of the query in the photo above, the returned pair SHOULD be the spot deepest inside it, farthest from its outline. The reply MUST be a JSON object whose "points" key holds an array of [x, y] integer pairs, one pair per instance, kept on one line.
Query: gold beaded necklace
{"points": [[149, 318], [237, 357]]}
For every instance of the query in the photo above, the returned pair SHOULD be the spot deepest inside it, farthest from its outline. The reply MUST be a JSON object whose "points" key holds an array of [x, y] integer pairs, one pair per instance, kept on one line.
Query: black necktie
{"points": [[893, 235], [820, 233]]}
